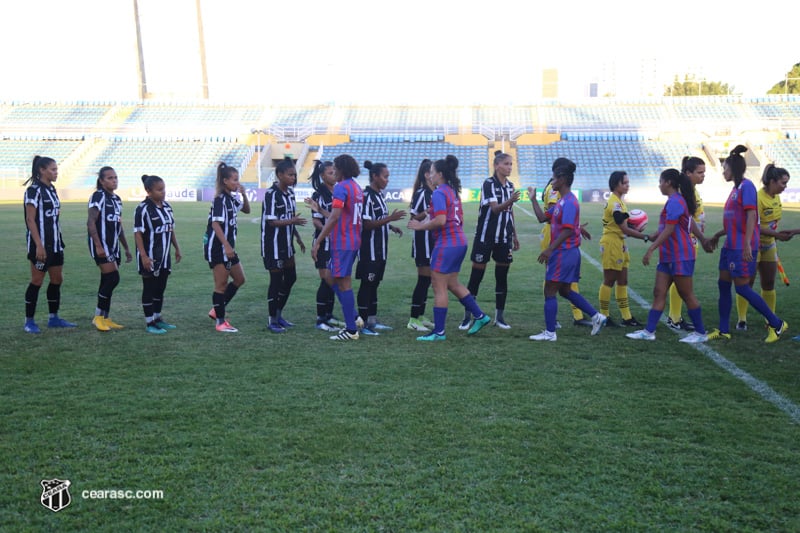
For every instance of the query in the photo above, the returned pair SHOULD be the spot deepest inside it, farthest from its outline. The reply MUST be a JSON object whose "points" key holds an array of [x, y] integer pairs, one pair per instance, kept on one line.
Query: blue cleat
{"points": [[432, 337], [31, 327], [478, 324], [58, 322]]}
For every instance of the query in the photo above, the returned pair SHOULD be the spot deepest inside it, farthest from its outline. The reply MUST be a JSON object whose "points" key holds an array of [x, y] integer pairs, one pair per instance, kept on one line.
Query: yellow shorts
{"points": [[768, 255], [614, 254]]}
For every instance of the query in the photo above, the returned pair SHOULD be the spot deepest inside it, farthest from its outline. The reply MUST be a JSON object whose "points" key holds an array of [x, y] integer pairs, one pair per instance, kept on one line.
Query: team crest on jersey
{"points": [[55, 494], [479, 258], [734, 195]]}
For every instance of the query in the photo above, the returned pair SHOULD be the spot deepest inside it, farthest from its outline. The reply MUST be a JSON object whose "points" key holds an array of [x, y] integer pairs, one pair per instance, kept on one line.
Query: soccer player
{"points": [[375, 227], [562, 256], [495, 236], [449, 250], [677, 255], [614, 251], [770, 210], [106, 233], [220, 240], [695, 169], [421, 248], [279, 220], [154, 234], [344, 227], [44, 242], [550, 197], [737, 259], [323, 179]]}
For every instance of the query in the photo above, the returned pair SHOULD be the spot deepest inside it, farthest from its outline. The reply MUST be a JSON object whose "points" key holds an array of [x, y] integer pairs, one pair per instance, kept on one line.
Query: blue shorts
{"points": [[731, 261], [342, 261], [564, 266], [447, 259], [677, 268]]}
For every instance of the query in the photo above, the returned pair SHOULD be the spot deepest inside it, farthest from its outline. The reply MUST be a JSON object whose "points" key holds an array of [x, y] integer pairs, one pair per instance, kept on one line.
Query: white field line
{"points": [[756, 385]]}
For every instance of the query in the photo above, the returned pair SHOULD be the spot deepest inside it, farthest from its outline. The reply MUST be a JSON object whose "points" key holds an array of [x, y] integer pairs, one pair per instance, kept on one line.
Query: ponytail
{"points": [[39, 162]]}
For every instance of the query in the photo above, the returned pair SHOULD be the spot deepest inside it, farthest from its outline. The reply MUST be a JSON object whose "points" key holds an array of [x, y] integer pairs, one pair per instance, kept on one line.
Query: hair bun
{"points": [[452, 162], [368, 164]]}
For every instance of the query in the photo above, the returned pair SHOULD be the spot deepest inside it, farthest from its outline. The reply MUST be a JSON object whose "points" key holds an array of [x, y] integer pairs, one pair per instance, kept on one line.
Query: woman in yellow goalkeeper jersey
{"points": [[775, 180], [614, 251]]}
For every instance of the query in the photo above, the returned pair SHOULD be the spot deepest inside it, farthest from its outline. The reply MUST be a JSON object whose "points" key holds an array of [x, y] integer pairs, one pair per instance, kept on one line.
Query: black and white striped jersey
{"points": [[276, 241], [422, 244], [324, 199], [495, 228], [108, 223], [48, 208], [374, 242], [223, 211], [155, 224]]}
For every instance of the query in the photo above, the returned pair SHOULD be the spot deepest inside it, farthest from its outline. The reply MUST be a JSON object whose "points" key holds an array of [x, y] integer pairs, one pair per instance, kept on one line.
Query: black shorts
{"points": [[422, 261], [53, 259], [323, 258], [370, 270], [231, 262], [270, 263], [103, 260], [482, 251]]}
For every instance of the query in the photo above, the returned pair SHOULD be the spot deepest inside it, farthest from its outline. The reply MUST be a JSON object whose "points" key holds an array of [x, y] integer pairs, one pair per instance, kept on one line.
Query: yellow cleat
{"points": [[717, 334], [111, 324], [773, 335], [100, 323]]}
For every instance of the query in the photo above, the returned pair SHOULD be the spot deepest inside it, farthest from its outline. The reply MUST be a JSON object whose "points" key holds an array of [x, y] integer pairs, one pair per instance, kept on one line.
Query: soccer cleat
{"points": [[632, 322], [598, 321], [478, 323], [680, 325], [417, 325], [465, 324], [427, 323], [717, 334], [111, 324], [582, 322], [432, 337], [796, 338], [502, 324], [274, 327], [100, 323], [381, 327], [611, 324], [212, 314], [774, 334], [165, 325], [345, 335], [285, 323], [694, 338], [333, 321], [58, 322], [155, 330], [326, 327], [225, 327], [741, 325], [369, 332], [31, 327], [544, 336], [641, 335]]}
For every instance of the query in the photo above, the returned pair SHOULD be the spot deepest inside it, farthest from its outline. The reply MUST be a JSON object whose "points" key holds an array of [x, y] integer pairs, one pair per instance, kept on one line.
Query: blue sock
{"points": [[439, 318], [550, 313], [758, 303], [652, 320], [348, 309], [471, 305], [697, 319], [725, 306], [576, 299]]}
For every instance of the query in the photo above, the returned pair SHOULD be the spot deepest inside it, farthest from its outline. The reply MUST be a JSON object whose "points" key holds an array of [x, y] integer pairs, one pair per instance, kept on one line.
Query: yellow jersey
{"points": [[700, 213], [610, 227], [769, 214]]}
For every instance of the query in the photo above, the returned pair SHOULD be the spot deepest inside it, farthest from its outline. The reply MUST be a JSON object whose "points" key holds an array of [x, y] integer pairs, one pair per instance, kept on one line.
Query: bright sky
{"points": [[363, 51]]}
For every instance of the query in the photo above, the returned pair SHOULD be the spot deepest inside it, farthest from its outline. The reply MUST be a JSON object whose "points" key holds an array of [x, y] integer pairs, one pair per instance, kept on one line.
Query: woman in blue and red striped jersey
{"points": [[677, 254], [737, 259], [563, 256], [344, 227], [449, 250]]}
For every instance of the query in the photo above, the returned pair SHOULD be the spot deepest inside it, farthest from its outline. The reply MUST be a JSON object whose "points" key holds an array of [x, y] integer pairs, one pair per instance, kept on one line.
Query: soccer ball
{"points": [[637, 219]]}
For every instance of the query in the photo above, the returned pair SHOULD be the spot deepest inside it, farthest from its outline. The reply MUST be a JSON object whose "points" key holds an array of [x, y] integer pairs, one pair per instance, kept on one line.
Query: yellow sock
{"points": [[577, 314], [621, 293], [770, 297], [675, 303], [741, 308], [605, 298]]}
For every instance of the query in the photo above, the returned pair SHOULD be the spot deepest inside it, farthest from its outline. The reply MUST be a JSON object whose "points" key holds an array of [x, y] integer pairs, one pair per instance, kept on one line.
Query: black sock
{"points": [[230, 292], [273, 292], [419, 296], [31, 297], [54, 297], [218, 299], [501, 287]]}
